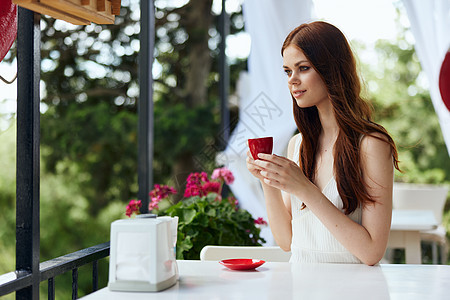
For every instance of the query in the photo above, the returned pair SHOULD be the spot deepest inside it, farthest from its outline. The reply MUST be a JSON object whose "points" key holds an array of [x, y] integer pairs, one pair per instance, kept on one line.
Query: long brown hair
{"points": [[331, 56]]}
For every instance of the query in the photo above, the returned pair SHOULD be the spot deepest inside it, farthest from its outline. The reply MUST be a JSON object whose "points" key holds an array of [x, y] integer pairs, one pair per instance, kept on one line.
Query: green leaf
{"points": [[183, 245], [210, 211], [188, 215]]}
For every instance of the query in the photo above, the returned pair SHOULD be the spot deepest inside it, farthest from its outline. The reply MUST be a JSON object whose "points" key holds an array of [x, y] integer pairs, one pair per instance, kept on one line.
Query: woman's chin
{"points": [[302, 104]]}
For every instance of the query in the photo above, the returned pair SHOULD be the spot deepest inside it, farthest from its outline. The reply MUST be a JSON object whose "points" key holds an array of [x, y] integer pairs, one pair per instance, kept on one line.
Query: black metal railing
{"points": [[25, 281], [15, 281], [57, 266]]}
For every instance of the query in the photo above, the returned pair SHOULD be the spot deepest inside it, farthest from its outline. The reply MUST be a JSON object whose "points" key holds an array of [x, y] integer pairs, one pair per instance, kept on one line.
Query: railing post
{"points": [[224, 77], [51, 289], [75, 284], [145, 103], [95, 275], [27, 164]]}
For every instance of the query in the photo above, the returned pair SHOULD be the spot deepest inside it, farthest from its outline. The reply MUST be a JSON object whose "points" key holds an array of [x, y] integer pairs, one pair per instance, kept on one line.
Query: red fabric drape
{"points": [[8, 26], [444, 81]]}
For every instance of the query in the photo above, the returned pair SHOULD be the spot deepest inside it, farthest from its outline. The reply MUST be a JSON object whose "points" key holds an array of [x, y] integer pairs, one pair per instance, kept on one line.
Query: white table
{"points": [[210, 280], [405, 231]]}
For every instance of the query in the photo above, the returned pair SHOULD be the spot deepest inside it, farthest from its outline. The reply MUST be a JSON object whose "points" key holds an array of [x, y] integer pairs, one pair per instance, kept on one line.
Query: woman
{"points": [[331, 199]]}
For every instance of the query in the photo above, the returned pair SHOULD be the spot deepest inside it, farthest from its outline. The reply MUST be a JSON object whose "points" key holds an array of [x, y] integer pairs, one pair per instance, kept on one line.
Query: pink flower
{"points": [[197, 179], [159, 193], [223, 174], [133, 207], [194, 184], [153, 205], [211, 187], [260, 221], [216, 173], [192, 191]]}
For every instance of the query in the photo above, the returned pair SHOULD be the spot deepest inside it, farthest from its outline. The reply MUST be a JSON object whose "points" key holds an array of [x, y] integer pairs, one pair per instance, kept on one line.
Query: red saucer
{"points": [[242, 263]]}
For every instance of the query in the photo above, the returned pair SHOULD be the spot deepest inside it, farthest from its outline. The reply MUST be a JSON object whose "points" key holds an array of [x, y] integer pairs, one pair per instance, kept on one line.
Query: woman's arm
{"points": [[278, 204], [366, 241]]}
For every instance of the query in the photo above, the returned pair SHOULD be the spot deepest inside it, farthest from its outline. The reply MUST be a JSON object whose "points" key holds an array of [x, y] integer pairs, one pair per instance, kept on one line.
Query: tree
{"points": [[90, 75], [89, 129], [186, 98]]}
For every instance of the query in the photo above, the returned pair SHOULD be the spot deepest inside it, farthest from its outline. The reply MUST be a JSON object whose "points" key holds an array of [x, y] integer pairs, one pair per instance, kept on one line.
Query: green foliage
{"points": [[97, 149], [402, 104], [66, 223], [180, 131], [68, 226], [208, 221], [7, 200], [90, 72], [89, 130]]}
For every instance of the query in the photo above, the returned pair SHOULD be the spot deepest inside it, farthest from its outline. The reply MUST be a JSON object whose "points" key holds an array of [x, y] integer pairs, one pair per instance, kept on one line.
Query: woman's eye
{"points": [[304, 68], [288, 72]]}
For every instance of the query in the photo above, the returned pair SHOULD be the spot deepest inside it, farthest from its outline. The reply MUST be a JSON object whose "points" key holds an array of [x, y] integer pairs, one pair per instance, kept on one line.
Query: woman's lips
{"points": [[298, 93]]}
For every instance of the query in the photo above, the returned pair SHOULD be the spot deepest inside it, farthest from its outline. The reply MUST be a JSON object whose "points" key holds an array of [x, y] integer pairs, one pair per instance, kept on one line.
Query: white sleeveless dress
{"points": [[311, 240]]}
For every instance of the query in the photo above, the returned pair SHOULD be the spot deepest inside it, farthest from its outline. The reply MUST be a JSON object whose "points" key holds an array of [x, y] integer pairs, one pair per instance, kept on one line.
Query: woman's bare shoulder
{"points": [[375, 145]]}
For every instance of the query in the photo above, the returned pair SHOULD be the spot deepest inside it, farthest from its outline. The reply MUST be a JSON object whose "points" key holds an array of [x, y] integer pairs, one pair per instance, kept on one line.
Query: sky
{"points": [[362, 20], [365, 21]]}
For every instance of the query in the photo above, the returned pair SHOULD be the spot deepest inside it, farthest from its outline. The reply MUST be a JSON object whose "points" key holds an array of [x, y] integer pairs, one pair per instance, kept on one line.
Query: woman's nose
{"points": [[294, 78]]}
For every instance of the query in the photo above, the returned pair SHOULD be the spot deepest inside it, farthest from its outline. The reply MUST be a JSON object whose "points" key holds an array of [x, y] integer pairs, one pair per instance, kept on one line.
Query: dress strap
{"points": [[298, 142]]}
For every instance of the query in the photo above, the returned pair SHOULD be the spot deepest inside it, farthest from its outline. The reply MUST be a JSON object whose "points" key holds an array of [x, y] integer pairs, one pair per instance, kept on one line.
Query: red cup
{"points": [[260, 145]]}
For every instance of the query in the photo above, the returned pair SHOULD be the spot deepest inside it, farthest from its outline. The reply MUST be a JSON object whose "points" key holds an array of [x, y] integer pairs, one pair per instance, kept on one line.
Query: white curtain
{"points": [[265, 103], [430, 25]]}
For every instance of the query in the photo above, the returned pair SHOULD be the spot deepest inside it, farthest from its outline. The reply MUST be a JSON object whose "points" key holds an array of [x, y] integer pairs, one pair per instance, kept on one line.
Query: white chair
{"points": [[269, 254], [429, 197]]}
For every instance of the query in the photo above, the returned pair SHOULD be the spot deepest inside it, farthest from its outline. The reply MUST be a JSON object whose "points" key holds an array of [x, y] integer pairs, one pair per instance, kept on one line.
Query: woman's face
{"points": [[305, 84]]}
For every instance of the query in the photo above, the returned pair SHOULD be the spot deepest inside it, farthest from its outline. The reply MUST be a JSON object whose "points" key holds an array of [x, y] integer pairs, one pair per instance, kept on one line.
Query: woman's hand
{"points": [[278, 205], [281, 173], [254, 169]]}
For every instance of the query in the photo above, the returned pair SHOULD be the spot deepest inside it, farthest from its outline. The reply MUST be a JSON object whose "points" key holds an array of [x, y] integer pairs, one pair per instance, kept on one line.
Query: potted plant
{"points": [[205, 218]]}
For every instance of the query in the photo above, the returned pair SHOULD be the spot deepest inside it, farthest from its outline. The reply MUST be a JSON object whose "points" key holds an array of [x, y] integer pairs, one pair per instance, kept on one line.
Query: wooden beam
{"points": [[51, 11], [101, 5], [115, 7], [78, 12], [88, 12]]}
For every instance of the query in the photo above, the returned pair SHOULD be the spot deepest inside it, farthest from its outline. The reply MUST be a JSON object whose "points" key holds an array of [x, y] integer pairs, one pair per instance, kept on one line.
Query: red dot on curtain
{"points": [[8, 26], [444, 81]]}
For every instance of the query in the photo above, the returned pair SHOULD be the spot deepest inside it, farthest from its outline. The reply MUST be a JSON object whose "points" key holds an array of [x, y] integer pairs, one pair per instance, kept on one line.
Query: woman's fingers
{"points": [[253, 167], [270, 164], [279, 160], [274, 170]]}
